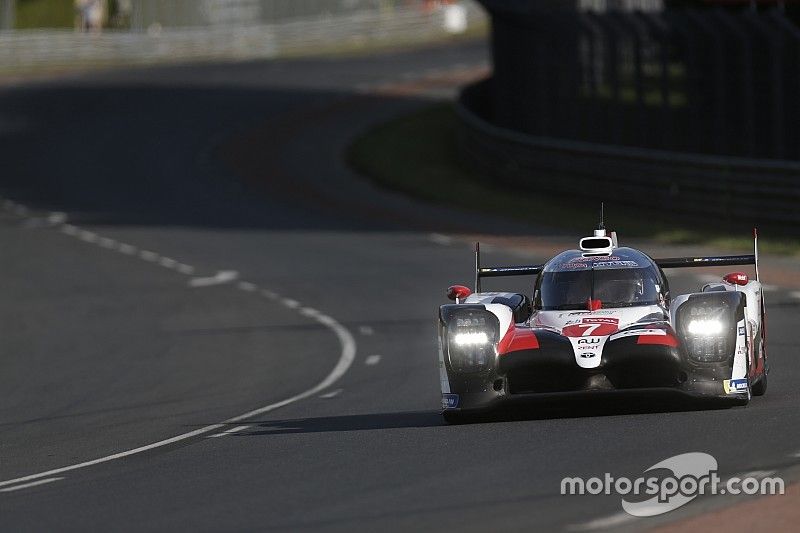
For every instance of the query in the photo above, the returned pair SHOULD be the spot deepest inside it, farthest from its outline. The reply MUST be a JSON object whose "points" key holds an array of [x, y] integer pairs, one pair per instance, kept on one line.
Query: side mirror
{"points": [[736, 278], [524, 310], [458, 292]]}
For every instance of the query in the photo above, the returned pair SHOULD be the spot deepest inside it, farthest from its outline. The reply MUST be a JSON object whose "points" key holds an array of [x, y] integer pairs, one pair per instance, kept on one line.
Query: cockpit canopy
{"points": [[626, 278]]}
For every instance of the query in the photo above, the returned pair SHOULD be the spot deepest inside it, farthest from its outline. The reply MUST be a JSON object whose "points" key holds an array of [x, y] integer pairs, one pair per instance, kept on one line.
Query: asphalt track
{"points": [[171, 175]]}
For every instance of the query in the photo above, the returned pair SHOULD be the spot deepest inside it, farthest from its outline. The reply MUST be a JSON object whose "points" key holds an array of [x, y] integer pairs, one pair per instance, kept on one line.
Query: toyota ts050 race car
{"points": [[602, 321]]}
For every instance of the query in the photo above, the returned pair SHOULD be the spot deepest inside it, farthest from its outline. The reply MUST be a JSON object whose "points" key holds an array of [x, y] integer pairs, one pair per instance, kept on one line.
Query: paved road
{"points": [[218, 259]]}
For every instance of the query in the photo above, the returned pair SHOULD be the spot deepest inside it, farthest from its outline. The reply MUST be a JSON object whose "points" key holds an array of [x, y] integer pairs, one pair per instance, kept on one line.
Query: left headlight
{"points": [[708, 331], [472, 340]]}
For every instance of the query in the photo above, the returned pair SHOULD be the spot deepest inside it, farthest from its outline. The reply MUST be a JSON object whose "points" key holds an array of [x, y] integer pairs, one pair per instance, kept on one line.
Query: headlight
{"points": [[707, 331], [472, 337], [705, 327], [464, 339]]}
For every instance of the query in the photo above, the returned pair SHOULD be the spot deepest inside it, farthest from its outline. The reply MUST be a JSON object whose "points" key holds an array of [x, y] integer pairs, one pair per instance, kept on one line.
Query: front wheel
{"points": [[759, 388]]}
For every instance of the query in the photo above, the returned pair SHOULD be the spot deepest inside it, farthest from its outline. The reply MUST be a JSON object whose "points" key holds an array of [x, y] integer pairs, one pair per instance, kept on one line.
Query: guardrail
{"points": [[727, 188], [32, 48]]}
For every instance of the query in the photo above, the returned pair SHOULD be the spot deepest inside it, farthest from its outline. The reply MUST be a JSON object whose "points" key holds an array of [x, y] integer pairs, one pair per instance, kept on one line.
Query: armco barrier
{"points": [[727, 188]]}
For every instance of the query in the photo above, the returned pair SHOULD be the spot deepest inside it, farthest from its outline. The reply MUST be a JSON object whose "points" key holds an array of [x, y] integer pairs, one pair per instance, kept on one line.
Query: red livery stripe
{"points": [[664, 340], [518, 339]]}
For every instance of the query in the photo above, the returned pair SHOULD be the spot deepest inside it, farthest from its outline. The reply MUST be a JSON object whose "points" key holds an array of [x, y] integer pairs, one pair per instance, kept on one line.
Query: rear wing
{"points": [[500, 271], [669, 262], [720, 260]]}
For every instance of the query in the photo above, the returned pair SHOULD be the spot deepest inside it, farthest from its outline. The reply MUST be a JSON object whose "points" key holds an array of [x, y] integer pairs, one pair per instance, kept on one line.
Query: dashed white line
{"points": [[147, 255], [32, 484], [795, 294], [127, 249], [366, 330], [185, 269], [246, 286], [57, 217], [345, 361], [372, 360], [237, 429], [438, 238], [795, 454], [309, 312], [107, 243], [332, 394], [221, 277], [87, 236], [70, 230], [269, 294], [346, 358], [291, 304]]}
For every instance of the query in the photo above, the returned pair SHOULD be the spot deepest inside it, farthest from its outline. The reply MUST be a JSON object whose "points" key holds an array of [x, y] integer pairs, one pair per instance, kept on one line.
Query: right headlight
{"points": [[472, 340]]}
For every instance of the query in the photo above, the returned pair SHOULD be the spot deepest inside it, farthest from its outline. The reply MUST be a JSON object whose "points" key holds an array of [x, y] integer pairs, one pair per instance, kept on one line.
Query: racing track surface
{"points": [[107, 346]]}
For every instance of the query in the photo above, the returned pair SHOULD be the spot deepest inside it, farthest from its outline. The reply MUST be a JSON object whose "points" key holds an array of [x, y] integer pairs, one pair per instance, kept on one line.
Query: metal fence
{"points": [[724, 188], [708, 81], [412, 22]]}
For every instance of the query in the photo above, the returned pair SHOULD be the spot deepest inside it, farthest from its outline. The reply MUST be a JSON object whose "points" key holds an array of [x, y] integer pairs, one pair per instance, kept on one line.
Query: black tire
{"points": [[759, 388]]}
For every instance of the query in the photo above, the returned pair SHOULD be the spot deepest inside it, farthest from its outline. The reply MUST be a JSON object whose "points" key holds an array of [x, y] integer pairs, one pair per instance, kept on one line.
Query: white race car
{"points": [[602, 321]]}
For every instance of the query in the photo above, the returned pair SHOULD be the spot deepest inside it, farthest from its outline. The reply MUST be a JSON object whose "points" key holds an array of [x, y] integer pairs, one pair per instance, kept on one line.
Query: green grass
{"points": [[417, 155], [44, 14]]}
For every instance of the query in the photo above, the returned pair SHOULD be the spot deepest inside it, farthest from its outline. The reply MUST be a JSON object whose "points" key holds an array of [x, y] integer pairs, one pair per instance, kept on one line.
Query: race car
{"points": [[601, 321]]}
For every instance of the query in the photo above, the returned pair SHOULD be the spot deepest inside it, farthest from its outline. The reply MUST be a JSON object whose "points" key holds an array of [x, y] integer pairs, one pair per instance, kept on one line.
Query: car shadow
{"points": [[433, 418]]}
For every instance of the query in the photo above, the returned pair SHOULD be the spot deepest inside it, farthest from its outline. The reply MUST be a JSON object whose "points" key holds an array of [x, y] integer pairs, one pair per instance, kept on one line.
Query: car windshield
{"points": [[618, 287]]}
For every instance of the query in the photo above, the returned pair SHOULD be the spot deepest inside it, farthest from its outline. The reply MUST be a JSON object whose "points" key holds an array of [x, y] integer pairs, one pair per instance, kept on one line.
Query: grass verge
{"points": [[417, 155]]}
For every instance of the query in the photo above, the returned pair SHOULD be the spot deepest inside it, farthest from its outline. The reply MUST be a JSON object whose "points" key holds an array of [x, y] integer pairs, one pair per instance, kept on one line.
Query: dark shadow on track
{"points": [[426, 419]]}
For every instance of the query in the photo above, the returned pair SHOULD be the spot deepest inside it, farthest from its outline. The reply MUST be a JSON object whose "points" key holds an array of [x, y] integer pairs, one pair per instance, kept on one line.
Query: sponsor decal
{"points": [[741, 330], [732, 386], [672, 483], [588, 355], [591, 340], [600, 320], [449, 401]]}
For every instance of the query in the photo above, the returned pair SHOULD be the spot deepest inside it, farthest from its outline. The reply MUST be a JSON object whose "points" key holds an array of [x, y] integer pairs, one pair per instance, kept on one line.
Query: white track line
{"points": [[127, 249], [87, 236], [291, 304], [309, 312], [167, 262], [221, 277], [366, 330], [107, 243], [237, 429], [57, 218], [795, 294], [70, 230], [32, 484], [346, 358], [605, 522], [246, 286], [438, 238], [185, 269], [332, 394], [372, 360], [147, 255]]}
